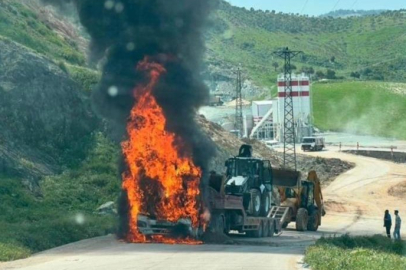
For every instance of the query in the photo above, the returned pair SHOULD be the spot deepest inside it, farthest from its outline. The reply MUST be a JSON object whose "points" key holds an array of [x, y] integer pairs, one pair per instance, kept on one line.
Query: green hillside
{"points": [[64, 209], [22, 25], [374, 46], [375, 108], [65, 212]]}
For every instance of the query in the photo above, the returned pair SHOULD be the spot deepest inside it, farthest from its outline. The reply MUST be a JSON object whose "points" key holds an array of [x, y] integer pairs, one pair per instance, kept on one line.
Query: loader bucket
{"points": [[285, 178]]}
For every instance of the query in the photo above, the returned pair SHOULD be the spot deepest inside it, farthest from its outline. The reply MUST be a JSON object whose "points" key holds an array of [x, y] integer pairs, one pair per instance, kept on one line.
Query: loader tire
{"points": [[302, 219], [265, 204], [271, 229], [258, 233], [254, 207], [313, 223], [265, 229]]}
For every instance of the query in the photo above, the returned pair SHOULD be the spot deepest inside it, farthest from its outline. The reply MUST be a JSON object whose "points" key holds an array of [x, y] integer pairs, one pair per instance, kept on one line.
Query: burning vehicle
{"points": [[161, 183], [150, 91]]}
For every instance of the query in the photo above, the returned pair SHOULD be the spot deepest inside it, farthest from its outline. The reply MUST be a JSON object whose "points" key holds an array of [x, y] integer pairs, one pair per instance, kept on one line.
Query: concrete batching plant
{"points": [[267, 116]]}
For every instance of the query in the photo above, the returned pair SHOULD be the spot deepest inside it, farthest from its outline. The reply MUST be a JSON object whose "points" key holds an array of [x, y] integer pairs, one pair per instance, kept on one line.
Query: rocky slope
{"points": [[46, 120], [220, 77]]}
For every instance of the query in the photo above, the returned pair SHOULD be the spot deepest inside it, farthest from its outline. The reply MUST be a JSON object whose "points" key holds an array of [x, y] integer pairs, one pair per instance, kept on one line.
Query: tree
{"points": [[275, 65], [307, 70], [320, 74], [366, 72], [333, 59], [331, 74], [355, 74]]}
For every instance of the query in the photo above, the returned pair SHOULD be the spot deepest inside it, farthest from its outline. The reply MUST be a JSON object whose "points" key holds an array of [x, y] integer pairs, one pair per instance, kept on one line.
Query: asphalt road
{"points": [[355, 203]]}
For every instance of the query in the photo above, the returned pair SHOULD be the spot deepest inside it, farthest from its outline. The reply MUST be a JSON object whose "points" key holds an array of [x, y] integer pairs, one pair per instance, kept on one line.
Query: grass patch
{"points": [[374, 108], [86, 77], [66, 212], [356, 253], [11, 252]]}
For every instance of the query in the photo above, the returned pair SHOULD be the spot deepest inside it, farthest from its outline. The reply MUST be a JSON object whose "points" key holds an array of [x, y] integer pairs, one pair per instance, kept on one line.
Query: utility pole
{"points": [[239, 122], [289, 134]]}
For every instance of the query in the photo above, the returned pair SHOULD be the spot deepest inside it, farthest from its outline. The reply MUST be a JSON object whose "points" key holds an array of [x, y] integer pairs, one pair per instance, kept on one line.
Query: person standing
{"points": [[398, 222], [387, 222]]}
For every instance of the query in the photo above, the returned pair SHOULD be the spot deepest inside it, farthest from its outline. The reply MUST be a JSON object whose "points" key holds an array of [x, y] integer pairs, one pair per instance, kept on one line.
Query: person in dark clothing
{"points": [[387, 222]]}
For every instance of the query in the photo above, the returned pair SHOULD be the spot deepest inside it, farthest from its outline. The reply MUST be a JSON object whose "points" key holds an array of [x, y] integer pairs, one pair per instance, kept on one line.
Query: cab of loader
{"points": [[307, 195], [250, 178]]}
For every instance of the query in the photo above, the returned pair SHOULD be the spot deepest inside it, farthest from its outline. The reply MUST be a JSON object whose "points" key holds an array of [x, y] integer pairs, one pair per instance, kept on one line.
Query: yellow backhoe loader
{"points": [[304, 201]]}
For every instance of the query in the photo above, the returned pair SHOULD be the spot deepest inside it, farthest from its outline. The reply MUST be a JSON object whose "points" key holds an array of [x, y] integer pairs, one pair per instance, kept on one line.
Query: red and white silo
{"points": [[302, 112]]}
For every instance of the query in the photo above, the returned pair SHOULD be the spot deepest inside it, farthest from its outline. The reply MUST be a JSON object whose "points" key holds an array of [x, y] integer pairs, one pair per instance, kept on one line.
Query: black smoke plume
{"points": [[122, 33]]}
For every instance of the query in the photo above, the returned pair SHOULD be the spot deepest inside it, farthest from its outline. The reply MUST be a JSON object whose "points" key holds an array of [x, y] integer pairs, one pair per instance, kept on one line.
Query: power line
{"points": [[355, 2], [338, 2], [239, 121], [289, 132], [304, 6]]}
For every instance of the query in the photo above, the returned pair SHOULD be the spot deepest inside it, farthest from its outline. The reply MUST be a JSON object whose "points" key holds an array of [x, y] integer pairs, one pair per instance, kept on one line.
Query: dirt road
{"points": [[355, 203], [362, 192]]}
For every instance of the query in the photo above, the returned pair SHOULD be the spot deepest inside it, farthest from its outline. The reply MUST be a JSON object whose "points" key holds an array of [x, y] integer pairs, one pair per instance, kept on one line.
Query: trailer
{"points": [[229, 214], [241, 199]]}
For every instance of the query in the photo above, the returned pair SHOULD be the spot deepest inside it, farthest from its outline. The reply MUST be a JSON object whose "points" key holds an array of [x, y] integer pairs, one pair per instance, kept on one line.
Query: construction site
{"points": [[204, 180], [259, 204]]}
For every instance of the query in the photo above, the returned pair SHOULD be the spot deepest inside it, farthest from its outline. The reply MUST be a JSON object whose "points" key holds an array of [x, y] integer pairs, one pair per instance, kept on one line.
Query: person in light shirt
{"points": [[398, 222]]}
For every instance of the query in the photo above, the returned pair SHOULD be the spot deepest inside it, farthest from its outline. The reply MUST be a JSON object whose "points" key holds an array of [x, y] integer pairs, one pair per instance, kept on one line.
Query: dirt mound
{"points": [[334, 206], [398, 190], [228, 145]]}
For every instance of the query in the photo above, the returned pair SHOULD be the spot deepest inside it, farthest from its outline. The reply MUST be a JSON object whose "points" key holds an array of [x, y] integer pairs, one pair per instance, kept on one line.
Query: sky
{"points": [[317, 7]]}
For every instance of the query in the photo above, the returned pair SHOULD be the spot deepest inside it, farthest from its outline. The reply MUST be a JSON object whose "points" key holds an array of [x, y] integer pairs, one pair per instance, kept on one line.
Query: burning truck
{"points": [[162, 184], [150, 92]]}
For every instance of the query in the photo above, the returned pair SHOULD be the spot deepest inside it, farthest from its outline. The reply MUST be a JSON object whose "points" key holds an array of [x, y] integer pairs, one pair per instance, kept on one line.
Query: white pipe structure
{"points": [[263, 120]]}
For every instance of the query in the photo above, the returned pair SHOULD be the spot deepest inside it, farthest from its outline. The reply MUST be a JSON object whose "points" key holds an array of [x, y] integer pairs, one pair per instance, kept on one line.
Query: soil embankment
{"points": [[228, 145], [395, 156]]}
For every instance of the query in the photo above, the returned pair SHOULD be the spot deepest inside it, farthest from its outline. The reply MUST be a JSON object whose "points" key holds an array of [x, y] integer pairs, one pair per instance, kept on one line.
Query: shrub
{"points": [[87, 78], [62, 66]]}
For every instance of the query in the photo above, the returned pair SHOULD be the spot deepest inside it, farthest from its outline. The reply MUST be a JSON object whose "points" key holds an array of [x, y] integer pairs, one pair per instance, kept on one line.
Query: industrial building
{"points": [[266, 120]]}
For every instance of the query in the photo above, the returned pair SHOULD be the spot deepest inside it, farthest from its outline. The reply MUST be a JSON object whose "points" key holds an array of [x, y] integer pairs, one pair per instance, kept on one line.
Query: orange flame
{"points": [[159, 181]]}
